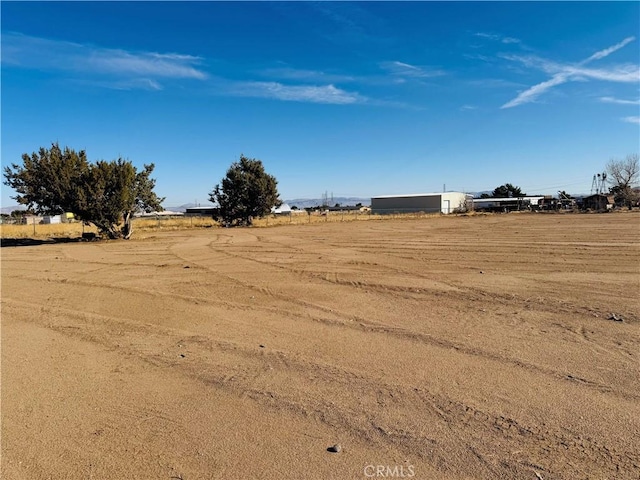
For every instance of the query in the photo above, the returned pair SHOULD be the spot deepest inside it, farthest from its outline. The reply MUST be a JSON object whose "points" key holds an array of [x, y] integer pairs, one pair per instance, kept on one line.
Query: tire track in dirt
{"points": [[334, 318], [331, 317], [114, 334], [456, 419], [470, 416], [467, 292], [362, 324]]}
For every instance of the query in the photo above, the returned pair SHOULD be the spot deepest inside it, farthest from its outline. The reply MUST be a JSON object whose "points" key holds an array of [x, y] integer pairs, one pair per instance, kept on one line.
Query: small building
{"points": [[536, 201], [283, 209], [31, 220], [509, 204], [445, 202], [598, 202], [202, 211], [51, 219], [67, 217], [163, 213], [502, 204]]}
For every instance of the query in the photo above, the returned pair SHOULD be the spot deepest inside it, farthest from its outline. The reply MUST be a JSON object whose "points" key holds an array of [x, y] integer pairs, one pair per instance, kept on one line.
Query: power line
{"points": [[553, 187]]}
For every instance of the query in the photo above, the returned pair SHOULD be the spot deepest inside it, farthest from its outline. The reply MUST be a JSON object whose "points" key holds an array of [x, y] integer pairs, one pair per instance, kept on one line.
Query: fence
{"points": [[44, 230], [346, 215], [173, 222], [185, 222]]}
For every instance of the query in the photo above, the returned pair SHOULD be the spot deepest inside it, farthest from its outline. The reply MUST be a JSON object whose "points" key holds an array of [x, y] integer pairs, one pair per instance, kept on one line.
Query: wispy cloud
{"points": [[465, 108], [533, 92], [609, 51], [350, 23], [153, 64], [632, 120], [327, 94], [133, 84], [510, 40], [490, 36], [477, 56], [120, 69], [494, 83], [129, 69], [302, 75], [563, 73], [497, 37], [619, 101], [405, 70]]}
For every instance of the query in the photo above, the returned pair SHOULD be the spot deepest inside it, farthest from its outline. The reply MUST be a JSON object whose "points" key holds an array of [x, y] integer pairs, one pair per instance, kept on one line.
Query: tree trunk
{"points": [[127, 229], [109, 230]]}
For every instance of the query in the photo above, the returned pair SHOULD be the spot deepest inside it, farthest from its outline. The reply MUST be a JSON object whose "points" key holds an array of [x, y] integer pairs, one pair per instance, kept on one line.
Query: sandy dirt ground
{"points": [[472, 347]]}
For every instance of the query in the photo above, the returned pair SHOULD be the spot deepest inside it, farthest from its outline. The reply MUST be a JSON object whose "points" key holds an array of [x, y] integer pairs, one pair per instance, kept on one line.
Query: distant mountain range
{"points": [[8, 210], [183, 208], [298, 202], [314, 202]]}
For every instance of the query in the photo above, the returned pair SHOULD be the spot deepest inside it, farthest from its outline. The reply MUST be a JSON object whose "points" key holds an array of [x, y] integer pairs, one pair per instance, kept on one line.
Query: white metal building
{"points": [[283, 209], [445, 202], [51, 219]]}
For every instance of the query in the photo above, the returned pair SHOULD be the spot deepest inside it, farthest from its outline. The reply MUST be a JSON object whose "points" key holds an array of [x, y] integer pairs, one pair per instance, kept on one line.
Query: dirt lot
{"points": [[445, 348]]}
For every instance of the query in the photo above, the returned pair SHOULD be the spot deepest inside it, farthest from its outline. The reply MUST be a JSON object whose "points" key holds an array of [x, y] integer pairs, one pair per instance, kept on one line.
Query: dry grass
{"points": [[45, 231], [332, 217], [172, 223], [72, 230]]}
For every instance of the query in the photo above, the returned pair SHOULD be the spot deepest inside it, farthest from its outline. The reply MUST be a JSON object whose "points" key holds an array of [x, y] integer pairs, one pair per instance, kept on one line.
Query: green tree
{"points": [[507, 191], [246, 192], [107, 194], [20, 213], [623, 176]]}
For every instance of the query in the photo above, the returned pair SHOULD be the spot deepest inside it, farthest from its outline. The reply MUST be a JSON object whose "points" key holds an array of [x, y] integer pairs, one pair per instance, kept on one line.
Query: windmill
{"points": [[598, 183]]}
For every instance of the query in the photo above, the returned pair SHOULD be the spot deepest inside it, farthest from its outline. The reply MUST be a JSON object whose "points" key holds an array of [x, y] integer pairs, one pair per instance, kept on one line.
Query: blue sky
{"points": [[356, 99]]}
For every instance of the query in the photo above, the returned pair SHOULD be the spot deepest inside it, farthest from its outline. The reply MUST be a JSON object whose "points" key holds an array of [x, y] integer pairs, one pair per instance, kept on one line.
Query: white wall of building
{"points": [[454, 201], [51, 219]]}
